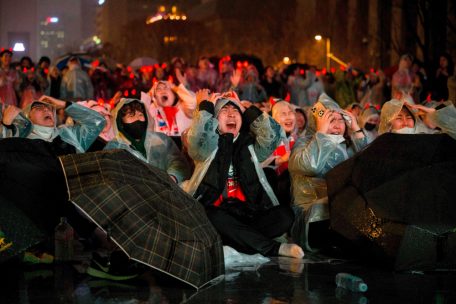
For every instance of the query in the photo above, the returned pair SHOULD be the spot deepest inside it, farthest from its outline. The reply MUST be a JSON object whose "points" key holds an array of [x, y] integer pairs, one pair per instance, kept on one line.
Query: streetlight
{"points": [[328, 51], [329, 55]]}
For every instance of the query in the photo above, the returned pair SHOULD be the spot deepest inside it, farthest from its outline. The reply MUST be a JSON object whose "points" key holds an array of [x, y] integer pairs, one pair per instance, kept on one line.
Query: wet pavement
{"points": [[281, 280]]}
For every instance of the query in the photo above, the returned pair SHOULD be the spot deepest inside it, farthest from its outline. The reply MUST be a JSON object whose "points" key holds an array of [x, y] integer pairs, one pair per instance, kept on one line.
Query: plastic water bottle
{"points": [[350, 282], [63, 241]]}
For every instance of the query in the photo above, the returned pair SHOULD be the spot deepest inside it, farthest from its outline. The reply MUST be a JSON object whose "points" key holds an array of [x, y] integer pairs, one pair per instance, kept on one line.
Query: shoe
{"points": [[116, 269], [37, 258], [4, 245]]}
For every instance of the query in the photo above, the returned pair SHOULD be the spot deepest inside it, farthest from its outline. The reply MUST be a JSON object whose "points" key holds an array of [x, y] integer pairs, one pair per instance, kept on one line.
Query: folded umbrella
{"points": [[146, 214]]}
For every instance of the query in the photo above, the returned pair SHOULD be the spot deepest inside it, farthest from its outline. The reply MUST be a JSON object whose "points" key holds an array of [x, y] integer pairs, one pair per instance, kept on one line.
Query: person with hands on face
{"points": [[398, 116], [171, 107], [66, 139], [227, 143], [332, 136]]}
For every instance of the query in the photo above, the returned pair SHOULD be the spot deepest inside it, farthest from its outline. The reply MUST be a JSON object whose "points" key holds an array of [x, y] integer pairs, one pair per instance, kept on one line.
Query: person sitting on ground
{"points": [[283, 112], [398, 116], [133, 130], [332, 136], [227, 145], [369, 121], [37, 180]]}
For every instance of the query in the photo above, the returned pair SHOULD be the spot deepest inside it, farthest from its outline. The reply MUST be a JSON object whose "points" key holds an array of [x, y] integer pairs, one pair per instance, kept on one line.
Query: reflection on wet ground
{"points": [[281, 280]]}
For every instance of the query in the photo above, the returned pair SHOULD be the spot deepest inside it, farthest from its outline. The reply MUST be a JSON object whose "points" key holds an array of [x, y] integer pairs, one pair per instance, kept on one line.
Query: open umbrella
{"points": [[396, 200], [17, 231], [147, 215], [142, 61], [62, 61]]}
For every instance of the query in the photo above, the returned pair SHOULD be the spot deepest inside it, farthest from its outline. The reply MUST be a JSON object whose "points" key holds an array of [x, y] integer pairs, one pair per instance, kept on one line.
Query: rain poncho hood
{"points": [[390, 110], [444, 118], [323, 103], [226, 98], [160, 150], [87, 127]]}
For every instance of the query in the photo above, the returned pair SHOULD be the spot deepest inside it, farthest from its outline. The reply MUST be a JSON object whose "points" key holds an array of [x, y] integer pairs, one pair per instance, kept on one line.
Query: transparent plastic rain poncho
{"points": [[87, 126], [313, 155], [203, 145], [20, 126], [445, 118], [161, 152]]}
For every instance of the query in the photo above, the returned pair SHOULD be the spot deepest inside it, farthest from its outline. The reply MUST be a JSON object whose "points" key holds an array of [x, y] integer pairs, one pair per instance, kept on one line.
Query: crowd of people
{"points": [[252, 145]]}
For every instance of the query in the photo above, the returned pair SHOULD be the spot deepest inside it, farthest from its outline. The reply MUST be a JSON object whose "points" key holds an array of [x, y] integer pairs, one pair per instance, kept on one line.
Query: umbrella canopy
{"points": [[142, 61], [62, 61], [397, 191], [149, 217], [17, 230]]}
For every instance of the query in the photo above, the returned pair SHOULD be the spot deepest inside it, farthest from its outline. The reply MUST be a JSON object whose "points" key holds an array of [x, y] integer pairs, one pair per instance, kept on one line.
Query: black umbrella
{"points": [[396, 200], [149, 217], [17, 231]]}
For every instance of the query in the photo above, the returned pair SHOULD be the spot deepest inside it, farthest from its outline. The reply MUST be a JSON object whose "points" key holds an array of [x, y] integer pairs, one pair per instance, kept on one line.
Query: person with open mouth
{"points": [[228, 144]]}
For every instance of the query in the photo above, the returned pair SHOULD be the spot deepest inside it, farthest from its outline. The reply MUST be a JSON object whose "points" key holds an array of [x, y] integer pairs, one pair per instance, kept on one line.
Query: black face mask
{"points": [[135, 129], [369, 126]]}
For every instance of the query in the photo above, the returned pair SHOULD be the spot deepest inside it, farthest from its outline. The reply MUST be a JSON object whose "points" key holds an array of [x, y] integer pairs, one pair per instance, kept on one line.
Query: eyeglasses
{"points": [[42, 107]]}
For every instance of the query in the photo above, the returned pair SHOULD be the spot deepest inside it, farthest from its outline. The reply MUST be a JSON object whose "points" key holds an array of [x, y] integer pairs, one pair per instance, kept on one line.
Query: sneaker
{"points": [[4, 245], [38, 258], [117, 268]]}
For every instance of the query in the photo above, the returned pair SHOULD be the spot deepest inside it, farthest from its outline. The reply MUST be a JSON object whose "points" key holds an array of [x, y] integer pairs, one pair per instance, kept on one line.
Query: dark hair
{"points": [[44, 59], [132, 107], [299, 110], [26, 58], [6, 51], [450, 67]]}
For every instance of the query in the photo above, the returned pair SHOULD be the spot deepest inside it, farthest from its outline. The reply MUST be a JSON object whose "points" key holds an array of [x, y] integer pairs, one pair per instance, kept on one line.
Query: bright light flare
{"points": [[318, 37]]}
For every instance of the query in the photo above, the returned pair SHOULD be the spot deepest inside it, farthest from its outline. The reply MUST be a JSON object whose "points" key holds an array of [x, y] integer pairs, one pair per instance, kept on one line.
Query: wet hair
{"points": [[132, 107]]}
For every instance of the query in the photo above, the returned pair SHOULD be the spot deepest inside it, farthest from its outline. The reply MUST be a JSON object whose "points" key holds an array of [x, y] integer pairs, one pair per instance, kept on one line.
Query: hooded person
{"points": [[369, 121], [332, 136], [107, 134], [171, 108], [227, 145], [65, 139], [398, 116], [134, 131], [36, 184]]}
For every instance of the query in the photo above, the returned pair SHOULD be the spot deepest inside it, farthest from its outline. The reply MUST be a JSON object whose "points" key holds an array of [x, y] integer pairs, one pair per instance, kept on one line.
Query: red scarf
{"points": [[170, 113]]}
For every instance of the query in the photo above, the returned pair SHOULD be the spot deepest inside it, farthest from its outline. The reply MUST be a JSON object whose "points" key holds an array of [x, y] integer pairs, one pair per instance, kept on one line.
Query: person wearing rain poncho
{"points": [[36, 183], [332, 136], [227, 145], [369, 121], [65, 139], [398, 116], [133, 131]]}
